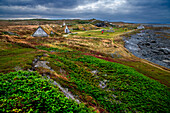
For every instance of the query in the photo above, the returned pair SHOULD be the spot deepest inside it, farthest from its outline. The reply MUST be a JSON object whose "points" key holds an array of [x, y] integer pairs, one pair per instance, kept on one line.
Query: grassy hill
{"points": [[96, 70]]}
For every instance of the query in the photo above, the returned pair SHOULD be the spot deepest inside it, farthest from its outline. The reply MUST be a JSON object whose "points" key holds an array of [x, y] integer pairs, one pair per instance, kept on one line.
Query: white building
{"points": [[141, 27], [66, 30]]}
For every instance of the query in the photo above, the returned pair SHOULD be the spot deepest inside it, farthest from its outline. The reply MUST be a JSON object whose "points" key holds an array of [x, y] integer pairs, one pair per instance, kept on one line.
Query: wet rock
{"points": [[166, 51], [149, 46], [168, 61], [155, 51], [153, 41]]}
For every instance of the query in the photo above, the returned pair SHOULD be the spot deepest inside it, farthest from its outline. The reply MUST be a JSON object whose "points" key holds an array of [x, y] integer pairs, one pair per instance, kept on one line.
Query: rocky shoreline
{"points": [[151, 45]]}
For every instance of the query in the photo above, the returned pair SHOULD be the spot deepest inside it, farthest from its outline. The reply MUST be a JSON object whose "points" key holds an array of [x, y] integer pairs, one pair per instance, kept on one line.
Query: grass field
{"points": [[98, 33], [13, 55], [130, 87]]}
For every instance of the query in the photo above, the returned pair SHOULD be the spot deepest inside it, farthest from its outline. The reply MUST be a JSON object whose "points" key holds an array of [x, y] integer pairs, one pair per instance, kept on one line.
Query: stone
{"points": [[114, 96], [153, 48], [165, 51], [153, 41], [102, 84], [155, 51], [167, 61], [52, 51], [105, 74], [94, 72], [46, 55]]}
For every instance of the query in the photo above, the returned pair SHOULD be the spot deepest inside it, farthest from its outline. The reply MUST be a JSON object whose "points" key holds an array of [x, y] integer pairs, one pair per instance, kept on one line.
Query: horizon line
{"points": [[109, 20]]}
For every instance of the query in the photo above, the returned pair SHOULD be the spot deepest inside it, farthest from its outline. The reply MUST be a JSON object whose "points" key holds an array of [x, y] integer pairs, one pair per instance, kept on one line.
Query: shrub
{"points": [[24, 91]]}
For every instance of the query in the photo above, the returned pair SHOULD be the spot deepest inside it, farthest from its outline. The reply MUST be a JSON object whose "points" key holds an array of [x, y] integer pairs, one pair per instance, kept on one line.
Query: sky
{"points": [[138, 11]]}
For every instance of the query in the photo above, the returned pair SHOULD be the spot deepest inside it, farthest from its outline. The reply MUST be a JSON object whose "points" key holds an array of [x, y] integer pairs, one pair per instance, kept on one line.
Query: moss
{"points": [[14, 55], [153, 72]]}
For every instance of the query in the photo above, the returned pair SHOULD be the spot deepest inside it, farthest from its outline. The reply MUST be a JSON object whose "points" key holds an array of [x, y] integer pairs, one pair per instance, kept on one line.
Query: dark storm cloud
{"points": [[123, 10], [50, 3]]}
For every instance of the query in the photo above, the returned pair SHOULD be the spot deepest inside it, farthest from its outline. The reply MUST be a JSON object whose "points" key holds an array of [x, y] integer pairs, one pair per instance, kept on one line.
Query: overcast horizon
{"points": [[135, 11]]}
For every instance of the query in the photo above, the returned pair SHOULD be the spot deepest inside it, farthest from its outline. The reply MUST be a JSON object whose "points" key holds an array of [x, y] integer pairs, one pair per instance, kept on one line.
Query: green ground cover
{"points": [[97, 33], [150, 71], [127, 89], [28, 92], [12, 55]]}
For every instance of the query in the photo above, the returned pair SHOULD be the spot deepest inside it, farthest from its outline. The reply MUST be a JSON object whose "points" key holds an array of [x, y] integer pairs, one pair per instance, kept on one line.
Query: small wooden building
{"points": [[43, 31], [40, 32], [66, 30]]}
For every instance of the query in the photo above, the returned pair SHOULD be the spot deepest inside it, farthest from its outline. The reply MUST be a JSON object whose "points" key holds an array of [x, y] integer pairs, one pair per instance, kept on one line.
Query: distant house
{"points": [[64, 23], [42, 32], [66, 30], [141, 27]]}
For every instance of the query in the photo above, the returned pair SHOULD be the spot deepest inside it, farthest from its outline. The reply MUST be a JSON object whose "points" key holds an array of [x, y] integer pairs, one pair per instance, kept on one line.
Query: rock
{"points": [[17, 68], [154, 49], [52, 51], [46, 55], [165, 51], [153, 41], [42, 64], [105, 81], [100, 24], [94, 72], [147, 44], [29, 70], [110, 31], [105, 74], [102, 84], [114, 95], [167, 61]]}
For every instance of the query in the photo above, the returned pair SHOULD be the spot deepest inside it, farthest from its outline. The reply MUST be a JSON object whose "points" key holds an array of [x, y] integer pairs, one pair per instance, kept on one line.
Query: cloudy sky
{"points": [[142, 11]]}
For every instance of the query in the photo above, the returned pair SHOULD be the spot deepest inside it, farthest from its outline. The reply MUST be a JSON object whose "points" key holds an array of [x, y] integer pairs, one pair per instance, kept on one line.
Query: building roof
{"points": [[39, 34], [46, 28], [66, 28]]}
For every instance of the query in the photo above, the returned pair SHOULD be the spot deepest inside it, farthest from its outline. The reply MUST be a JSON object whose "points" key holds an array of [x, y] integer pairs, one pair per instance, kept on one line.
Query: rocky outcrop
{"points": [[148, 45], [37, 63], [100, 24]]}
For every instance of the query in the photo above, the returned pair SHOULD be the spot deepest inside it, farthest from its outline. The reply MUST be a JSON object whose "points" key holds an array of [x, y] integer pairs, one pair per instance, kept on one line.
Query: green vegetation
{"points": [[112, 88], [150, 71], [98, 33], [12, 55], [28, 92], [132, 91]]}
